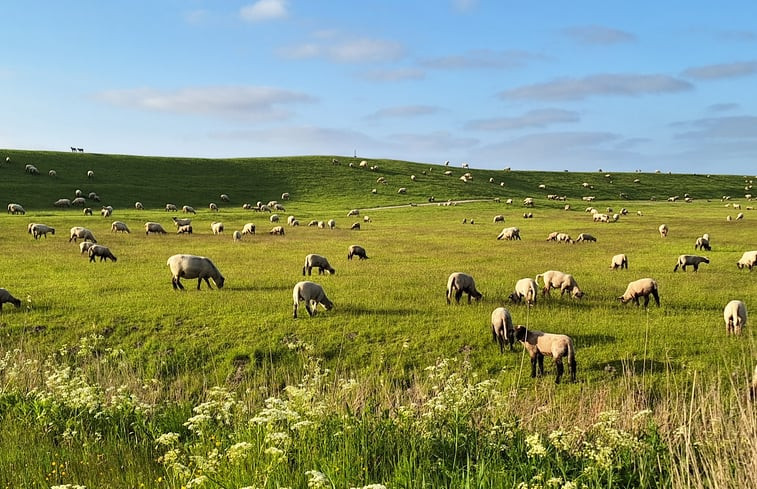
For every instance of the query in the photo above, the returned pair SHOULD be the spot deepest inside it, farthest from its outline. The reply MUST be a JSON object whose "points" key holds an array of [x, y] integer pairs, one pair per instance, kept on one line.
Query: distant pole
{"points": [[354, 154]]}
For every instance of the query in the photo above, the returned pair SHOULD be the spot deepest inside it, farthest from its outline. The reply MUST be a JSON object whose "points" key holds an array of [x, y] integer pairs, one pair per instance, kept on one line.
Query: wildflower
{"points": [[535, 447], [238, 451], [168, 439], [317, 480], [371, 486], [554, 482], [569, 485], [642, 414]]}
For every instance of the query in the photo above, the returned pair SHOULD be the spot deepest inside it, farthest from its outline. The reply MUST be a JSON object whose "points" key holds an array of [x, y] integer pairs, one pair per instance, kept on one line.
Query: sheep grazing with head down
{"points": [[459, 283], [317, 261], [154, 227], [248, 228], [702, 243], [170, 208], [213, 207], [100, 251], [619, 261], [663, 229], [38, 230], [216, 227], [554, 279], [188, 209], [16, 209], [138, 206], [644, 287], [690, 260], [237, 236], [502, 328], [358, 251], [585, 237], [525, 289], [78, 232], [185, 229], [277, 230], [735, 317], [193, 266], [7, 297], [119, 227], [557, 346], [511, 233], [84, 247], [747, 260], [312, 294]]}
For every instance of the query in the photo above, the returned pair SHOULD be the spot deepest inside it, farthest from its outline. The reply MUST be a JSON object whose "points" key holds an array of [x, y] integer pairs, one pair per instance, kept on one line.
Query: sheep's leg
{"points": [[207, 281], [469, 294], [458, 295], [560, 369], [294, 312], [533, 366], [540, 357], [646, 300], [311, 308], [696, 267], [176, 282]]}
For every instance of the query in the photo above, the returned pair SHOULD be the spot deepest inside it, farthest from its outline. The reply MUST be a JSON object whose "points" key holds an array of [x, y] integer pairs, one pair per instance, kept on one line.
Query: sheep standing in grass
{"points": [[557, 346], [735, 316], [181, 222], [16, 209], [619, 261], [248, 228], [138, 206], [353, 212], [499, 218], [644, 287], [317, 261], [460, 283], [585, 237], [170, 208], [213, 207], [6, 297], [38, 230], [277, 230], [663, 229], [511, 233], [358, 251], [225, 198], [312, 294], [693, 260], [554, 279], [502, 328], [101, 251], [525, 289], [332, 223], [188, 209], [84, 247], [185, 229], [748, 260], [154, 227], [62, 203], [192, 266], [78, 232], [216, 227], [702, 243], [237, 236], [119, 227]]}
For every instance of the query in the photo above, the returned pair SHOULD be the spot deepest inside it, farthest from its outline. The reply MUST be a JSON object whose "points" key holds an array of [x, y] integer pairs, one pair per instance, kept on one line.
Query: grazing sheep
{"points": [[332, 224], [663, 230], [317, 261], [216, 227], [312, 294], [735, 316], [367, 219], [192, 266], [285, 196], [274, 218], [78, 232], [702, 243], [693, 260], [554, 279], [511, 233], [355, 226], [181, 222], [38, 230], [525, 288], [585, 237], [358, 251], [93, 196], [556, 346], [213, 207], [119, 227], [185, 229], [52, 173], [101, 251], [739, 216], [90, 174], [224, 198], [277, 230], [62, 203], [353, 212], [84, 247], [16, 209], [552, 236], [170, 208], [154, 227], [499, 218], [248, 228], [188, 209], [402, 190], [462, 283], [502, 328], [748, 259], [138, 206], [6, 296], [31, 170], [237, 236], [79, 201], [641, 288], [78, 193], [619, 261], [563, 238]]}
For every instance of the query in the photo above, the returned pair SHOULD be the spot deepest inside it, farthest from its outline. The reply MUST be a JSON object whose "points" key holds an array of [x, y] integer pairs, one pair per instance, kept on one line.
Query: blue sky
{"points": [[575, 85]]}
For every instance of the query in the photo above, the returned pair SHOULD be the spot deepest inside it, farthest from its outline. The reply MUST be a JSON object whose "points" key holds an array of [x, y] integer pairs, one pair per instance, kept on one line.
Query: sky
{"points": [[580, 85]]}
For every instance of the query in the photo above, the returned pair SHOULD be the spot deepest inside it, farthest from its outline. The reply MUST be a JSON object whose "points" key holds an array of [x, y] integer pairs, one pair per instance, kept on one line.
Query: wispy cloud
{"points": [[393, 75], [628, 85], [352, 51], [484, 59], [196, 16], [723, 70], [531, 119], [736, 127], [464, 5], [598, 35], [264, 10], [404, 112], [723, 107], [236, 102], [735, 35]]}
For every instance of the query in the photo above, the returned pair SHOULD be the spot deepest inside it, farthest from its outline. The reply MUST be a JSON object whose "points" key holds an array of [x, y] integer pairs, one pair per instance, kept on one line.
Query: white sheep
{"points": [[619, 261], [644, 287], [79, 201], [90, 174], [402, 190], [585, 237], [213, 207], [53, 173], [332, 223], [154, 227], [84, 247], [317, 261], [563, 238], [78, 232], [237, 236], [353, 212], [170, 208], [525, 289], [460, 283], [274, 218], [101, 251], [499, 218], [277, 230], [38, 230], [188, 209], [185, 229], [739, 216], [693, 260], [181, 222], [312, 294], [554, 279], [216, 227], [557, 346], [7, 297], [735, 317], [511, 233], [663, 229], [16, 209], [138, 206], [118, 226], [248, 228], [355, 226], [358, 251], [502, 328], [748, 259], [285, 196], [224, 198], [62, 203], [192, 266]]}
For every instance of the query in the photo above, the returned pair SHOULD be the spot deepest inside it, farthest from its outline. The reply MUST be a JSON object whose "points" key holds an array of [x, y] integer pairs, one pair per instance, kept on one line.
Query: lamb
{"points": [[154, 227], [748, 259], [702, 243], [181, 222], [619, 261], [358, 251], [193, 266], [317, 261], [585, 237], [185, 229], [138, 206], [663, 229], [81, 233], [511, 233], [559, 280], [248, 228], [62, 203], [312, 294], [170, 208], [502, 328], [6, 296], [102, 251], [118, 226], [237, 236], [16, 209], [84, 247], [644, 287], [277, 230], [735, 316], [462, 283], [38, 230], [188, 209], [216, 227], [525, 288], [557, 346], [693, 260]]}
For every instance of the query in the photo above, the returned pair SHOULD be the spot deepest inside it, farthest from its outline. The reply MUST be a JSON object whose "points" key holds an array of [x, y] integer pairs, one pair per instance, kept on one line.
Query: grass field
{"points": [[104, 360]]}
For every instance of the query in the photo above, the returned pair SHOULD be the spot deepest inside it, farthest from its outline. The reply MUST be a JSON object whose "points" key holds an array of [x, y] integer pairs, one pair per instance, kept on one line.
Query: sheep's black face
{"points": [[220, 282], [520, 333]]}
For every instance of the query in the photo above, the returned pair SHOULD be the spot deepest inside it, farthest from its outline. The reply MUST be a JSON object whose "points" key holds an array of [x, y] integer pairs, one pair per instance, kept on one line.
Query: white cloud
{"points": [[534, 118], [603, 84], [264, 10], [736, 127], [404, 111], [484, 58], [723, 70], [353, 51], [599, 35]]}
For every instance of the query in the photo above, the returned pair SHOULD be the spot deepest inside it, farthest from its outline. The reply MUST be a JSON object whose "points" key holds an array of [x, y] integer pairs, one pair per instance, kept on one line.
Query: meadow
{"points": [[110, 378]]}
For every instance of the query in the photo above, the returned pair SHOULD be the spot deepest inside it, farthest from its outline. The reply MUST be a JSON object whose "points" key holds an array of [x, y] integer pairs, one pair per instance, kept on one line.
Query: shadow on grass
{"points": [[592, 339], [634, 367]]}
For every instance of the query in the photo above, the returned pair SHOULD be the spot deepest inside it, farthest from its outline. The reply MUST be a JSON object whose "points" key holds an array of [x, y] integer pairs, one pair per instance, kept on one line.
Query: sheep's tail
{"points": [[571, 360], [538, 277]]}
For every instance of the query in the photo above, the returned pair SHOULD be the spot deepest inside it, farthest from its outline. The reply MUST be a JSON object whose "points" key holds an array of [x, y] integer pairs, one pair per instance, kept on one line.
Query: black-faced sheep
{"points": [[138, 206], [358, 251], [502, 328], [62, 203], [735, 317], [84, 247], [285, 196], [332, 223], [154, 227], [317, 261], [460, 283], [38, 230], [78, 232], [216, 227], [248, 228], [312, 294], [16, 209], [619, 261], [355, 226], [747, 260], [702, 243], [192, 266], [6, 296], [585, 237], [119, 227], [693, 260], [100, 251], [277, 230], [353, 212], [188, 209], [170, 208], [185, 229], [563, 238], [225, 198], [90, 174], [511, 233], [237, 236], [525, 289], [557, 346], [554, 279], [181, 222], [87, 211], [663, 229], [213, 207], [499, 218], [644, 287]]}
